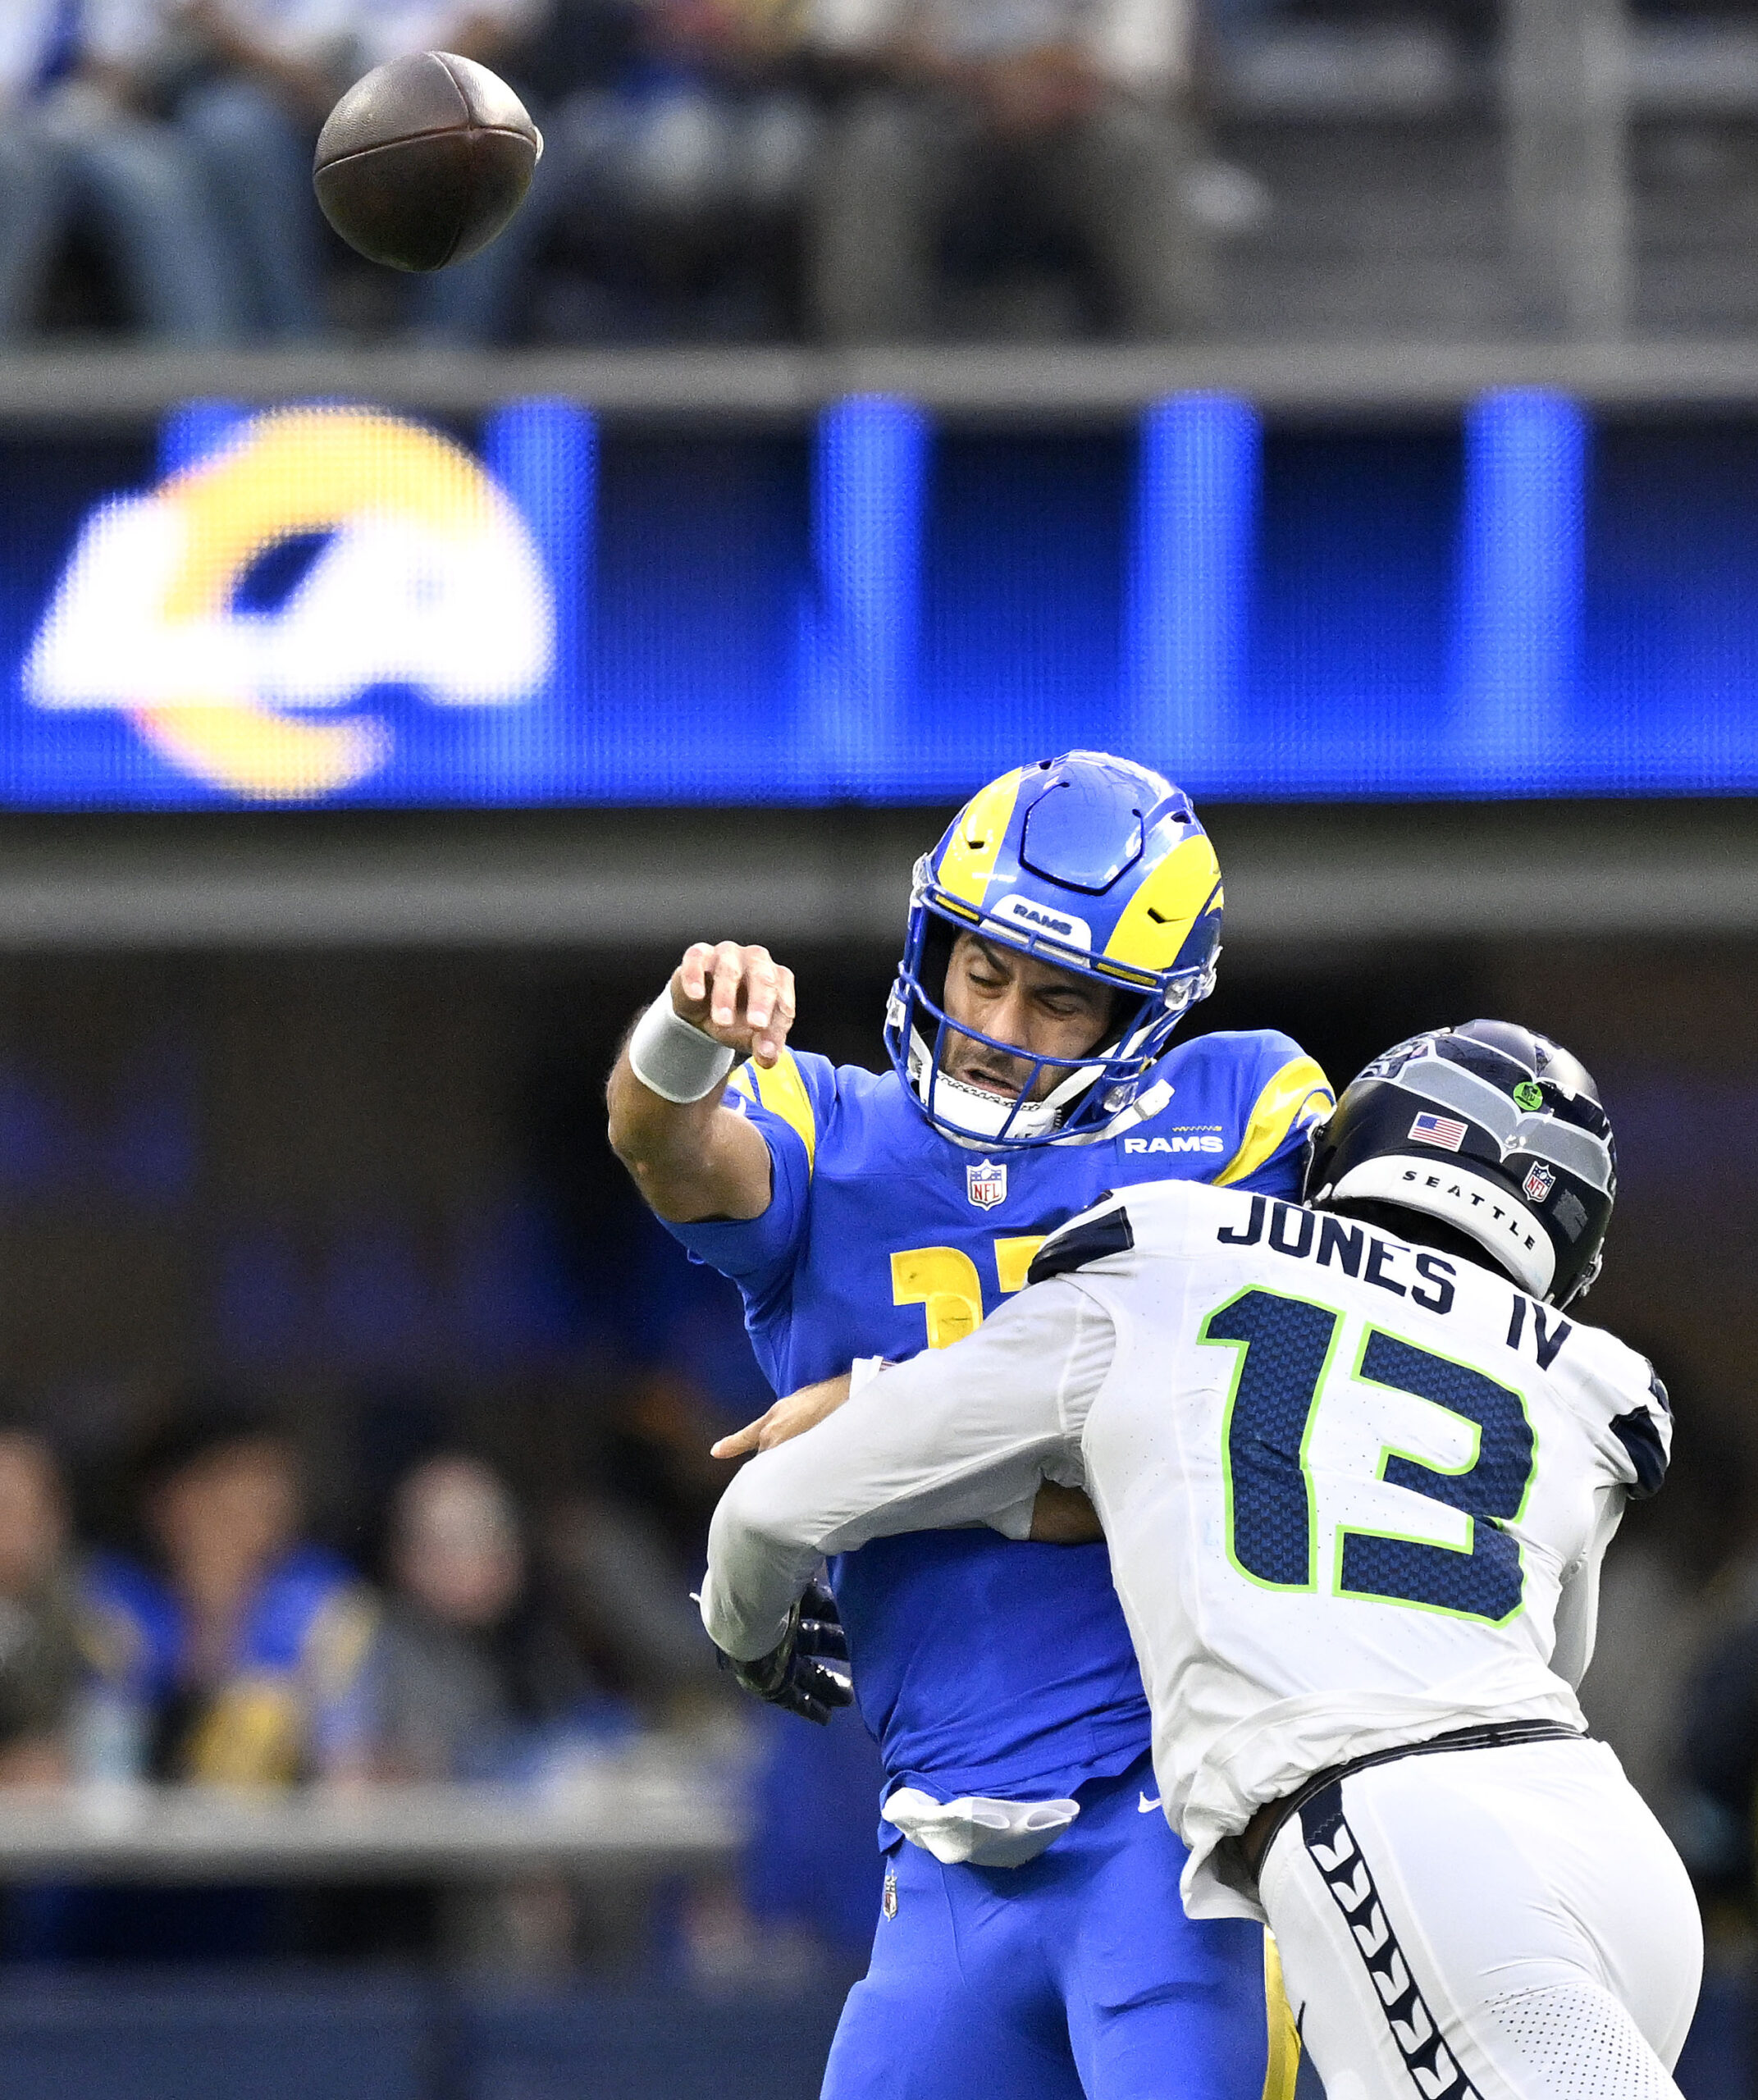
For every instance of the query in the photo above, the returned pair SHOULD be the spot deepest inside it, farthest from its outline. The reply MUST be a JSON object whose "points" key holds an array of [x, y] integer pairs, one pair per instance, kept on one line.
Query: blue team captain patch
{"points": [[986, 1185]]}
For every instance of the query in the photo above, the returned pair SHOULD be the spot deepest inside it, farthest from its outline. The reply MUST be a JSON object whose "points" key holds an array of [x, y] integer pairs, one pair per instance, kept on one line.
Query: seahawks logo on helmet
{"points": [[1092, 864], [1533, 1170]]}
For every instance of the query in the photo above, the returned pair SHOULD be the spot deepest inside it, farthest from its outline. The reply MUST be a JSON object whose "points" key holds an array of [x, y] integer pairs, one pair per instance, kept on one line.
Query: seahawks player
{"points": [[1358, 1469], [1031, 1942]]}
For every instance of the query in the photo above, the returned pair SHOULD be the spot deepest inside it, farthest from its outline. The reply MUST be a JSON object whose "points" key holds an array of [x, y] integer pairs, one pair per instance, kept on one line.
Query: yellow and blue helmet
{"points": [[1092, 864]]}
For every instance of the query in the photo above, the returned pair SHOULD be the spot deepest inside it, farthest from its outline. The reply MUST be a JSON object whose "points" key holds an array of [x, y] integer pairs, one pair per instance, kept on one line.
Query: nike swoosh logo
{"points": [[1143, 1807]]}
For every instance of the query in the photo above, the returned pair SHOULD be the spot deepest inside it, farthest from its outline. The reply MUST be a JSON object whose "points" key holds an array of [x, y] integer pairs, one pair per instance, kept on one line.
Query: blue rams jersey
{"points": [[290, 1697], [981, 1665]]}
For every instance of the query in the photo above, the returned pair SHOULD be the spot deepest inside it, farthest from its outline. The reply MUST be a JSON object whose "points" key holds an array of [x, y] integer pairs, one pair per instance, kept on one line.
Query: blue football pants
{"points": [[1078, 1974]]}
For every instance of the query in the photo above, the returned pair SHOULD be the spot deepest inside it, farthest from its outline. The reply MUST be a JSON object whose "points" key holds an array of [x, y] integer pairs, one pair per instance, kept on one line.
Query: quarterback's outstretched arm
{"points": [[691, 1158], [955, 1436]]}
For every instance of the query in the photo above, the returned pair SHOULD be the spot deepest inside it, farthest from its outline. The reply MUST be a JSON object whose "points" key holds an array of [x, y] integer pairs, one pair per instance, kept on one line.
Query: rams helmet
{"points": [[1090, 863], [1496, 1132]]}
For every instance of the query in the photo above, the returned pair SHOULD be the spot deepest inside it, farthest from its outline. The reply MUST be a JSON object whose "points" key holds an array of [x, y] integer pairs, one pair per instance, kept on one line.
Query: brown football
{"points": [[423, 162]]}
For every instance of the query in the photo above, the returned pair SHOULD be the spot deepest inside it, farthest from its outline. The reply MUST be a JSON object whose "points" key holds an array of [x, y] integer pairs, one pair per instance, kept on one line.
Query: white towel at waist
{"points": [[974, 1832]]}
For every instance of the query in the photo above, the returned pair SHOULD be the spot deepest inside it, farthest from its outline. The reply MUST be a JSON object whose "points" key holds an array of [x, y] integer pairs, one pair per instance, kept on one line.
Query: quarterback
{"points": [[1357, 1470], [1031, 1940]]}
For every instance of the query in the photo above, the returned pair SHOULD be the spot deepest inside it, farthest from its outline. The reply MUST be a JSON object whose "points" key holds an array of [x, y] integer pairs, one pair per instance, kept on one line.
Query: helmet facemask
{"points": [[1086, 1095]]}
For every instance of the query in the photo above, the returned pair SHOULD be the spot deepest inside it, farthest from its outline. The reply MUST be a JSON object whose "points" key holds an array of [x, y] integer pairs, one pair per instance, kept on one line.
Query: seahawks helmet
{"points": [[1495, 1131], [1085, 861]]}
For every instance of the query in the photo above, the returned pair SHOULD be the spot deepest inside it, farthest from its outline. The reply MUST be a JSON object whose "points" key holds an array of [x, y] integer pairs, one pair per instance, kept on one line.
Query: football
{"points": [[423, 163]]}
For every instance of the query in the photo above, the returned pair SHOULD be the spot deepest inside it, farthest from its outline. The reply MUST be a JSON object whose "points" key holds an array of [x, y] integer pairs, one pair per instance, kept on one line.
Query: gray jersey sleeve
{"points": [[951, 1438]]}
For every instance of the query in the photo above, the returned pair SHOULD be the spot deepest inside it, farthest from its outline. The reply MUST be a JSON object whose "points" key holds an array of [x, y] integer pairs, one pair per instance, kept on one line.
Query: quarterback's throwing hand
{"points": [[740, 996], [792, 1674]]}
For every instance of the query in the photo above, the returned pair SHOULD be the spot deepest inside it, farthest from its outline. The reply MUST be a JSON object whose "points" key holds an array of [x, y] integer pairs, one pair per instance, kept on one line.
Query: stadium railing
{"points": [[604, 881], [56, 388], [646, 1813]]}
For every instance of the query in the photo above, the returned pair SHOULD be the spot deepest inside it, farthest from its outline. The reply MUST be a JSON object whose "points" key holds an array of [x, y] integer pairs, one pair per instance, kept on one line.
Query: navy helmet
{"points": [[1086, 862], [1496, 1132]]}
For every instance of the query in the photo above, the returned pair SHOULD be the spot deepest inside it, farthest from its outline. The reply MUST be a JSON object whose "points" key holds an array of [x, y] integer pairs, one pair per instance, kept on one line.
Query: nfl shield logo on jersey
{"points": [[986, 1185], [1539, 1182]]}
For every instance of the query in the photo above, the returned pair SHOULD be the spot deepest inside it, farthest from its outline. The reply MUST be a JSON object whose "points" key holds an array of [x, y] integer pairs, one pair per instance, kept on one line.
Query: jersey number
{"points": [[1285, 1347], [944, 1282]]}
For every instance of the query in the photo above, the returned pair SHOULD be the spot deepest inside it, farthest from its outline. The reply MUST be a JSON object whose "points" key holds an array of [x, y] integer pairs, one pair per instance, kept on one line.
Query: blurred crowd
{"points": [[835, 171], [735, 166], [211, 1638], [198, 1631]]}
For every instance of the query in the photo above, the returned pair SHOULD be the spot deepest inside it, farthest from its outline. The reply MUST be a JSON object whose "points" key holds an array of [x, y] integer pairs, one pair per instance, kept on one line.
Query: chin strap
{"points": [[979, 1116]]}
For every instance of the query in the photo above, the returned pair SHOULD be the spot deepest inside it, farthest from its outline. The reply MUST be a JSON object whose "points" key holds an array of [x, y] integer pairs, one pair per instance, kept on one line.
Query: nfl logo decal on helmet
{"points": [[1535, 1170], [1539, 1182], [986, 1185], [1092, 864]]}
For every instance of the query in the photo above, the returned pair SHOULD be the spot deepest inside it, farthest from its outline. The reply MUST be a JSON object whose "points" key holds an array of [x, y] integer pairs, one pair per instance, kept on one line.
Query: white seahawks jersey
{"points": [[1356, 1492]]}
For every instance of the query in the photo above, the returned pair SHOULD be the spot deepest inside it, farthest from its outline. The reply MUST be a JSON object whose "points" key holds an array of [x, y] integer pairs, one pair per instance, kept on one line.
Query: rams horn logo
{"points": [[425, 577]]}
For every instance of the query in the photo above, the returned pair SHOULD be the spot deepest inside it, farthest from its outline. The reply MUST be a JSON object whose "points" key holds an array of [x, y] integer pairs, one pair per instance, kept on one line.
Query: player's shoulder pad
{"points": [[798, 1088], [1621, 1387], [1264, 1088], [1103, 1230], [1247, 1056], [1150, 1216]]}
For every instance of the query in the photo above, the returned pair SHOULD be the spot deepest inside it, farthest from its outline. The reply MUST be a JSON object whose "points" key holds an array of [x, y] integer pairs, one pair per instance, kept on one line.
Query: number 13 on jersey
{"points": [[1287, 1377]]}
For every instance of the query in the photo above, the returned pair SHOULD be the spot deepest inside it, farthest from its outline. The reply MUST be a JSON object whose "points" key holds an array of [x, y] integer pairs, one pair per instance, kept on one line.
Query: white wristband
{"points": [[672, 1057]]}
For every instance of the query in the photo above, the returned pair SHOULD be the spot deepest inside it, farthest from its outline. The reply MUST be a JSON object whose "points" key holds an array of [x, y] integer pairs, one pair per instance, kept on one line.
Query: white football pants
{"points": [[1509, 1924]]}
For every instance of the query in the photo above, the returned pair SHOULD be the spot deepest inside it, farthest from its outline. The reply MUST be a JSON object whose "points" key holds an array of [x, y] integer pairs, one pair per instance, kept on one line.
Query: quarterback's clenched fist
{"points": [[740, 996]]}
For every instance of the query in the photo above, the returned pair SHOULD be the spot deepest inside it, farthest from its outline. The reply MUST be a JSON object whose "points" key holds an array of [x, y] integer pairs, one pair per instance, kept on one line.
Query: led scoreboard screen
{"points": [[335, 604]]}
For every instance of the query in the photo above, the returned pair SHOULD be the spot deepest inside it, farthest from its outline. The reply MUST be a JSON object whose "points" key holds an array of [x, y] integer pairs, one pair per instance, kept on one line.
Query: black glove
{"points": [[792, 1674]]}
